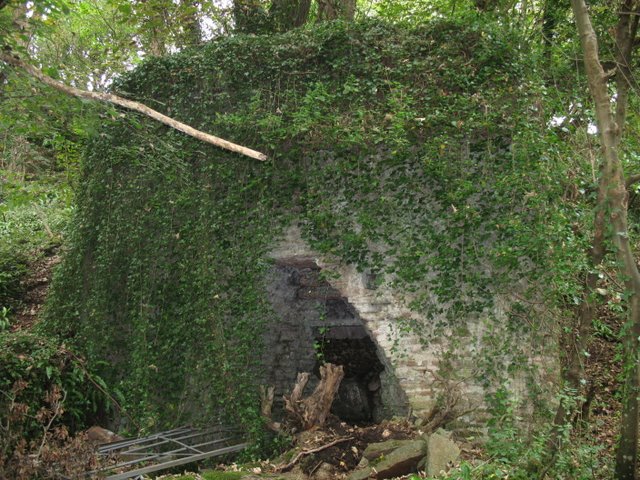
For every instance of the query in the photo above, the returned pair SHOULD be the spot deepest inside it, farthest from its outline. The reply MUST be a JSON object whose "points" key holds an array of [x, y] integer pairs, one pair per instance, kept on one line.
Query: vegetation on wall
{"points": [[405, 151], [447, 149]]}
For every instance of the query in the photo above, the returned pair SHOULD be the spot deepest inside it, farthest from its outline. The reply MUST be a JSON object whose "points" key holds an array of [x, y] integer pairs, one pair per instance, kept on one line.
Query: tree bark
{"points": [[249, 16], [288, 14], [312, 411], [266, 405], [576, 342], [615, 203], [335, 9], [131, 105], [191, 32]]}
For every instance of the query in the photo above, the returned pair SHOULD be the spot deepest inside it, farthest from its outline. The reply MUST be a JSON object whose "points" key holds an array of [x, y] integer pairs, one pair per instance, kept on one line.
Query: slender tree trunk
{"points": [[616, 202], [552, 10], [576, 341], [156, 44], [335, 9], [288, 14], [191, 33]]}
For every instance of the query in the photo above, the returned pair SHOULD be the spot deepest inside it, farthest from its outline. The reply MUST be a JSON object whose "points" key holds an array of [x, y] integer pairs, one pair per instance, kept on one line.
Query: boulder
{"points": [[361, 474], [326, 471], [352, 402], [390, 459], [442, 452], [401, 461], [376, 450]]}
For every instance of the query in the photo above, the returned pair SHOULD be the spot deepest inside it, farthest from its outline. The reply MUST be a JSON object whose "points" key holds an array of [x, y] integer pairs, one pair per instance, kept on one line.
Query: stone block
{"points": [[401, 461], [442, 452], [377, 450]]}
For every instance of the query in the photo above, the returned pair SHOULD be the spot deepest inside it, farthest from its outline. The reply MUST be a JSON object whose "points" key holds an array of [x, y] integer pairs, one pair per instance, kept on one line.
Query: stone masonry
{"points": [[409, 381]]}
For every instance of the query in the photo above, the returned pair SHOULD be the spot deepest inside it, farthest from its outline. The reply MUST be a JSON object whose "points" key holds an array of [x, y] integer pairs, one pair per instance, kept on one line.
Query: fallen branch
{"points": [[295, 460], [131, 105]]}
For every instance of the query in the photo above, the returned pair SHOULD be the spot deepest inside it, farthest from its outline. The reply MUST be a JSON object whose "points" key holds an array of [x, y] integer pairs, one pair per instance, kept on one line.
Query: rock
{"points": [[375, 450], [352, 402], [98, 435], [401, 461], [442, 453], [390, 459], [325, 472], [360, 474]]}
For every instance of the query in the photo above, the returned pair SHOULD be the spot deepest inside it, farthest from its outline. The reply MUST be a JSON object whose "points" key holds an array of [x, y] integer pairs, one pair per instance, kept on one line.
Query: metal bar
{"points": [[182, 435], [175, 463], [158, 436], [152, 456], [186, 446], [132, 441]]}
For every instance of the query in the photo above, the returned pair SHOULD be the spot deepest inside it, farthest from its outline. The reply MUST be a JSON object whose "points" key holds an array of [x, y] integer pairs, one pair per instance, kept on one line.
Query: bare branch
{"points": [[131, 105], [288, 466], [631, 179]]}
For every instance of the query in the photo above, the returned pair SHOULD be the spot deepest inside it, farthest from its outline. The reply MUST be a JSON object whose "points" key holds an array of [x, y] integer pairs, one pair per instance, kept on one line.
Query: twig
{"points": [[56, 412], [289, 465]]}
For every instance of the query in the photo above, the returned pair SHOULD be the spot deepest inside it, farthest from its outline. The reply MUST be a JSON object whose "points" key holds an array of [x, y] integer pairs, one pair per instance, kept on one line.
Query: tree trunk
{"points": [[312, 411], [191, 33], [616, 198], [288, 14], [336, 9], [576, 341], [552, 10], [266, 405], [249, 16]]}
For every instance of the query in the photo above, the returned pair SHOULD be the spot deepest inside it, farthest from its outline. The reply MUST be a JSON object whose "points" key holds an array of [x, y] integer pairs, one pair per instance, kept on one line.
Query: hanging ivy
{"points": [[414, 153]]}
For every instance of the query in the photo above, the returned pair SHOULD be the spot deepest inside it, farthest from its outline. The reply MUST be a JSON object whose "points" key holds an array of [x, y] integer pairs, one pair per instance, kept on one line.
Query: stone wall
{"points": [[310, 292]]}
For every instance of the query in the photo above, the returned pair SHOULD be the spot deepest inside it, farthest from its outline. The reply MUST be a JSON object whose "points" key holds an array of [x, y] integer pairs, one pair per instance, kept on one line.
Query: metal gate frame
{"points": [[167, 449]]}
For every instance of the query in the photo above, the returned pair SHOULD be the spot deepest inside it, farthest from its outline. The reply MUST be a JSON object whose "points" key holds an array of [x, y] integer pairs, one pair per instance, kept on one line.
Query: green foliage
{"points": [[514, 454], [33, 213], [410, 152], [34, 369]]}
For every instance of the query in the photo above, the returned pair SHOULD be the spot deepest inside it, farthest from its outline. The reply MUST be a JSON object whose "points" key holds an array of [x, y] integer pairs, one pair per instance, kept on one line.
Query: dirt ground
{"points": [[36, 286], [346, 455]]}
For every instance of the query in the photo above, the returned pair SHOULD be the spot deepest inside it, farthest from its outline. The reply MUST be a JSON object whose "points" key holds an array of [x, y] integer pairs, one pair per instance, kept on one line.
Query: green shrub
{"points": [[13, 267]]}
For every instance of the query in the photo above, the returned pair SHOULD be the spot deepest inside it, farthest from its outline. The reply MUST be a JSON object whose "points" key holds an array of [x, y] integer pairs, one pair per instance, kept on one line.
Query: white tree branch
{"points": [[131, 105]]}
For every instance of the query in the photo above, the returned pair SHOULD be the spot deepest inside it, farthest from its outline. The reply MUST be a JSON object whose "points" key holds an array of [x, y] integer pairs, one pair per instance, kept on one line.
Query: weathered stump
{"points": [[312, 412]]}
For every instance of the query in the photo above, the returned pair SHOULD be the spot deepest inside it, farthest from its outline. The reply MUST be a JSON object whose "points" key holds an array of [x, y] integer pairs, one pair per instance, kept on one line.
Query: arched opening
{"points": [[314, 324], [359, 393]]}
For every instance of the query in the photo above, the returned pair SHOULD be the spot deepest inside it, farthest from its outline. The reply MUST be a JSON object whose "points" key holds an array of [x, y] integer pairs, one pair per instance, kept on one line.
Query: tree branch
{"points": [[288, 466], [131, 105], [631, 179]]}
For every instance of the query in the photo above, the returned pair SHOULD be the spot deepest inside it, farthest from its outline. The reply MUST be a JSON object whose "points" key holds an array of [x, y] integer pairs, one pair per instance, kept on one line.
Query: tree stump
{"points": [[312, 412], [266, 405]]}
